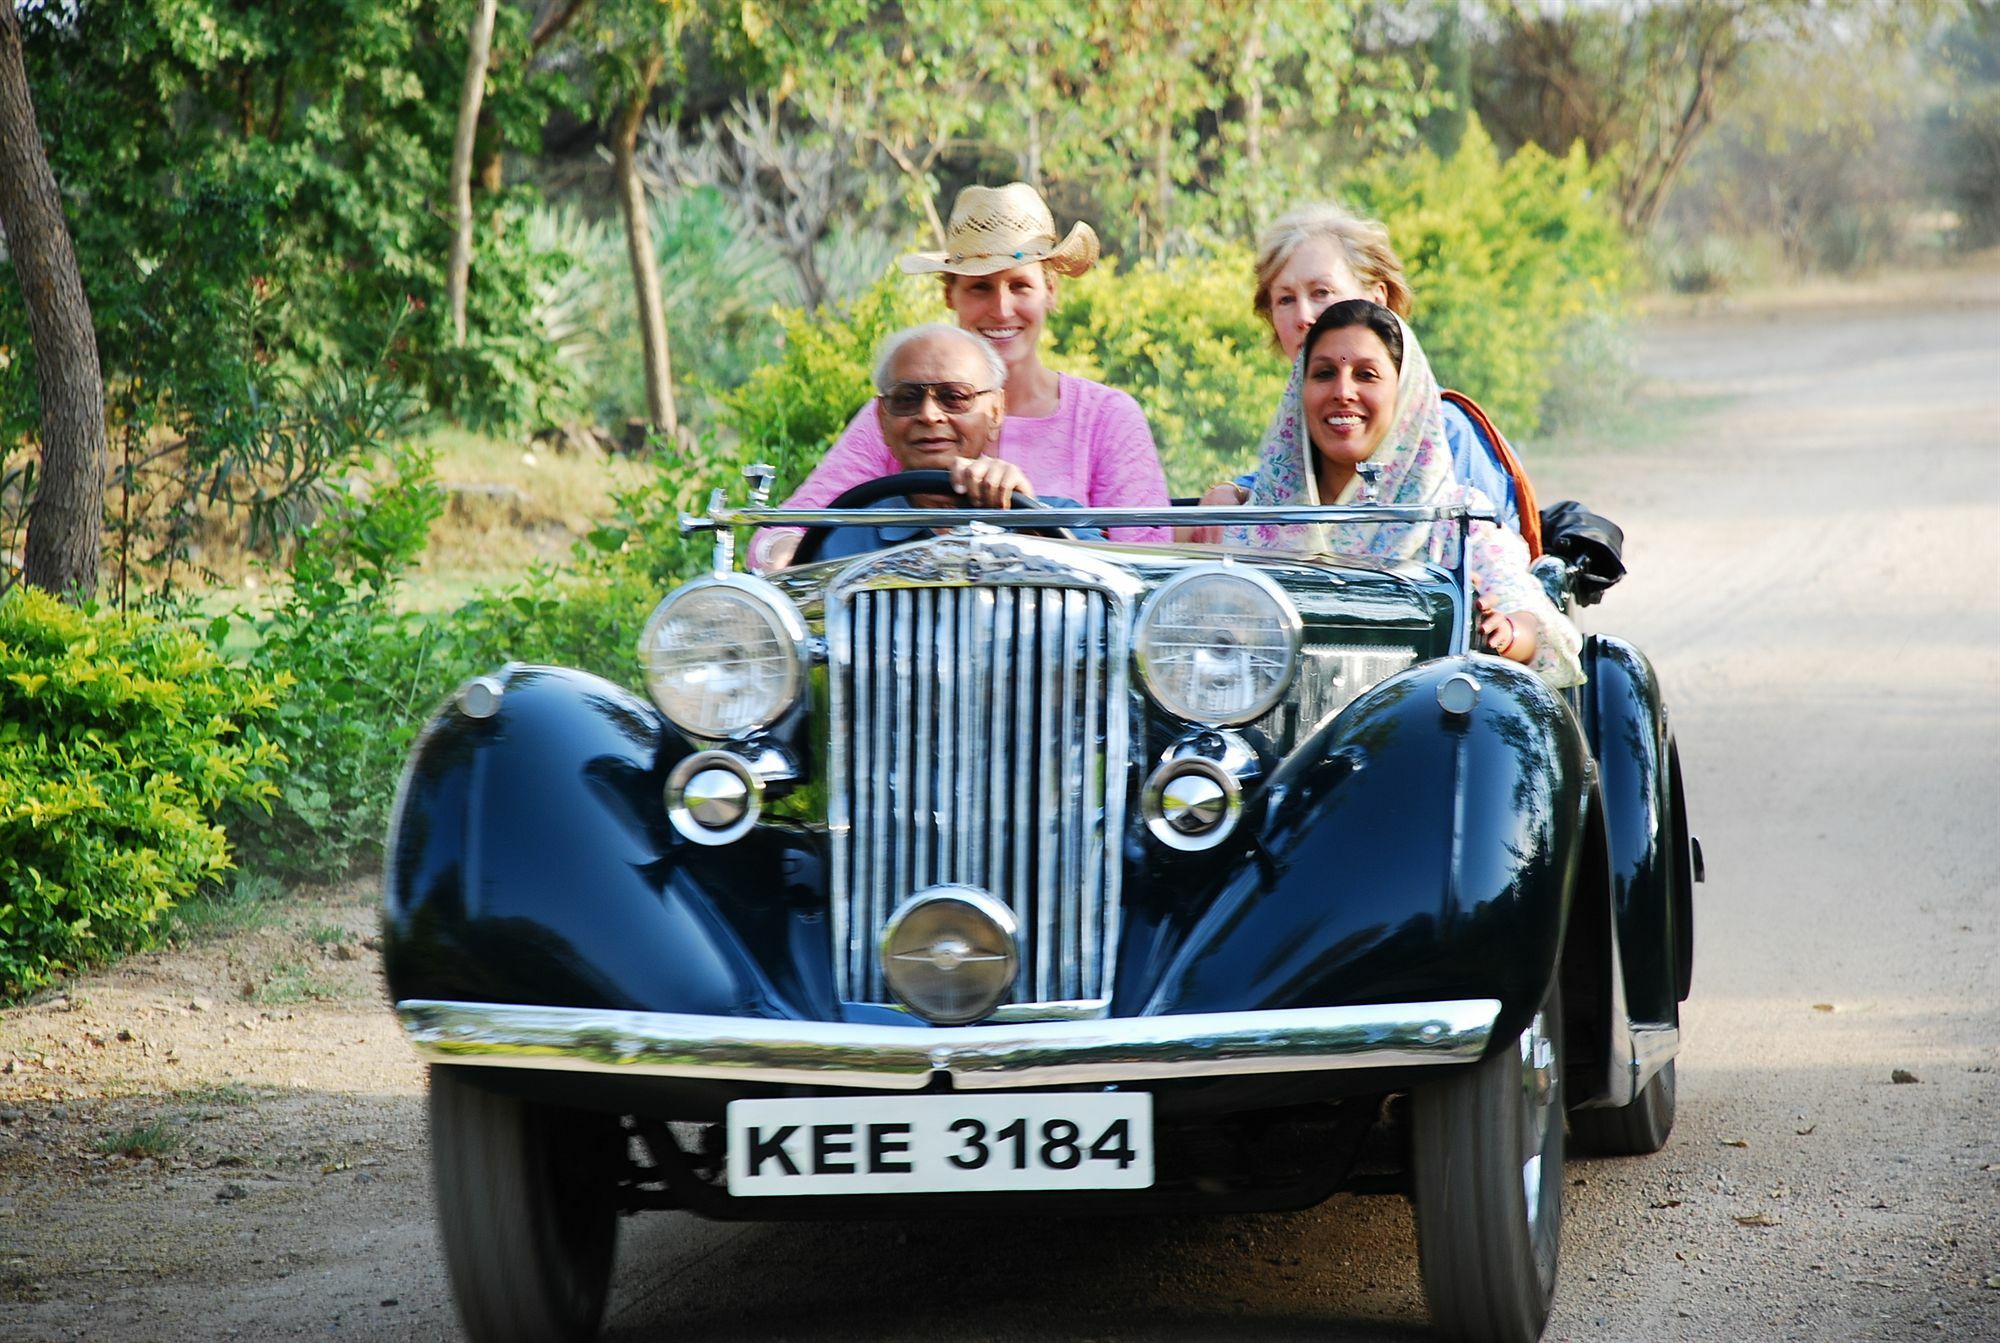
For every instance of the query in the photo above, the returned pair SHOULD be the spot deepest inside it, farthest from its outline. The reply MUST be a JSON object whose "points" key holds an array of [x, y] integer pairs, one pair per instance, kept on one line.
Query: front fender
{"points": [[1403, 854], [531, 861]]}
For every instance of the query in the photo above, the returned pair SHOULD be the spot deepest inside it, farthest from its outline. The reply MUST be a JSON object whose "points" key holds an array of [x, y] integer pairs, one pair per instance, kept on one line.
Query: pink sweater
{"points": [[1095, 449]]}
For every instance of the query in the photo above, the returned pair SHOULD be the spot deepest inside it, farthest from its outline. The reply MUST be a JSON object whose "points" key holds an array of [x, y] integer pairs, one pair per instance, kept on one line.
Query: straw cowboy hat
{"points": [[999, 228]]}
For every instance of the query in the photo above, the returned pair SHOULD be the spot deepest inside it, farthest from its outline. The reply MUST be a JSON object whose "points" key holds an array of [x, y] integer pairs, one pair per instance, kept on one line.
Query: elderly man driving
{"points": [[940, 404]]}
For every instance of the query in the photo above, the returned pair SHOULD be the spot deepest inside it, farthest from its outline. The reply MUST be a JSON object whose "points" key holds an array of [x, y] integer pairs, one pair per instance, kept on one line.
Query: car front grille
{"points": [[979, 736]]}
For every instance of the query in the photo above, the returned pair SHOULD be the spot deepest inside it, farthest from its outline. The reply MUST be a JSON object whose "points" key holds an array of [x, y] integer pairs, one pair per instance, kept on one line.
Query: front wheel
{"points": [[1487, 1151], [1638, 1129], [527, 1211]]}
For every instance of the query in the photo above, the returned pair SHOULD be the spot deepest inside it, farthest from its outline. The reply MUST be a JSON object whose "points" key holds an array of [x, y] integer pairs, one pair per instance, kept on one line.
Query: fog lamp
{"points": [[1191, 802], [949, 954], [713, 797]]}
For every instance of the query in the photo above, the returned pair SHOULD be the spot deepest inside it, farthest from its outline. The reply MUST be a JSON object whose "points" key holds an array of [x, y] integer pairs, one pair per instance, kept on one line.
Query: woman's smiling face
{"points": [[1349, 396], [1006, 309]]}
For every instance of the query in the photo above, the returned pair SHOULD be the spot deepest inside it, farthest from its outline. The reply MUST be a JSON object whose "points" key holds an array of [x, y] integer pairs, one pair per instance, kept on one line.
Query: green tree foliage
{"points": [[122, 738], [1161, 121], [1964, 136], [214, 151], [1640, 83]]}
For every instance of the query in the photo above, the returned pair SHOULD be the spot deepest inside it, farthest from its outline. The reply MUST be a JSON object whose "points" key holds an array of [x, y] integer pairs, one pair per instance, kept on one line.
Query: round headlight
{"points": [[1218, 645], [724, 656]]}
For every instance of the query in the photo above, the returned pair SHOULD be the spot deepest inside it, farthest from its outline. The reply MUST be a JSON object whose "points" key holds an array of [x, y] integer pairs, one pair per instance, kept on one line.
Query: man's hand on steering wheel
{"points": [[911, 484], [988, 482]]}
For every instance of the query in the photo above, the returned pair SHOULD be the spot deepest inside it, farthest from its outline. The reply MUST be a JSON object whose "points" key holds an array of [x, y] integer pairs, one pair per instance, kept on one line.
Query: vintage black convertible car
{"points": [[999, 871]]}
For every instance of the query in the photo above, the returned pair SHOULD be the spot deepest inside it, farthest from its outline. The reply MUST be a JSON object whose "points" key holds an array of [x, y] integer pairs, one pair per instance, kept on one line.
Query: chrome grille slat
{"points": [[878, 836], [1018, 833], [923, 756], [1071, 859], [1048, 834], [855, 802], [900, 789], [980, 723], [1091, 885]]}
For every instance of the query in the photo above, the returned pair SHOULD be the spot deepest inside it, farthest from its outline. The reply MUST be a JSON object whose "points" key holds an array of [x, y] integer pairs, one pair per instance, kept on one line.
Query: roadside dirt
{"points": [[186, 1136], [1814, 543]]}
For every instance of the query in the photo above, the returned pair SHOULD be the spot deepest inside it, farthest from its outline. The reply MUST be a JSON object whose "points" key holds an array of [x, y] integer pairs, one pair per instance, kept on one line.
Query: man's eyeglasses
{"points": [[953, 398]]}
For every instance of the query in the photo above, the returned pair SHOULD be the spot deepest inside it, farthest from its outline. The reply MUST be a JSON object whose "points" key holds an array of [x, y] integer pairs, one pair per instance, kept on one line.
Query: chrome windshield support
{"points": [[723, 560]]}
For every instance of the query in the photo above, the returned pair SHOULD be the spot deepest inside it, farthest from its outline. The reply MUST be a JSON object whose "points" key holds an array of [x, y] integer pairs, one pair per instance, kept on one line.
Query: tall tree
{"points": [[66, 525], [478, 50], [658, 359]]}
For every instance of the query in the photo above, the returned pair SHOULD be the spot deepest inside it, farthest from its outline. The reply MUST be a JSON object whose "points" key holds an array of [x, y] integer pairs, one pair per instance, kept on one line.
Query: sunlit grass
{"points": [[155, 1138]]}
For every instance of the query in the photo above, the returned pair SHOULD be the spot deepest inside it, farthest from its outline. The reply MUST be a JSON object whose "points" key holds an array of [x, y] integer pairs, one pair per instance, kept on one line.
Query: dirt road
{"points": [[1814, 539]]}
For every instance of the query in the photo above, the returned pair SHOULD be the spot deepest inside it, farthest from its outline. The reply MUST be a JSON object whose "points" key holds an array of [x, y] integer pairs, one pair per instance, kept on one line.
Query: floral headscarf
{"points": [[1412, 465]]}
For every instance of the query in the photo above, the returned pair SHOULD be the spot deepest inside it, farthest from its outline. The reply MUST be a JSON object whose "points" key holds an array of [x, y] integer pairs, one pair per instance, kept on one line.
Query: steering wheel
{"points": [[909, 483]]}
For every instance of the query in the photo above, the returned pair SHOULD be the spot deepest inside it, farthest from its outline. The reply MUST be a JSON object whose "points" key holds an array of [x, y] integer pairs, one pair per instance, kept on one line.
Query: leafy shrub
{"points": [[361, 674], [1502, 257], [1183, 340], [122, 738], [789, 412]]}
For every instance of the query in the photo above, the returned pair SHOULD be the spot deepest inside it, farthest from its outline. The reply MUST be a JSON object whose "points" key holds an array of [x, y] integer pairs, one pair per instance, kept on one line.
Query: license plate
{"points": [[940, 1144]]}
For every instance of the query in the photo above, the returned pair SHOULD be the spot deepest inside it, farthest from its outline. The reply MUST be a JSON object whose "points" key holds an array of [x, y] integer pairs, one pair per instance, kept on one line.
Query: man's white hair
{"points": [[893, 345]]}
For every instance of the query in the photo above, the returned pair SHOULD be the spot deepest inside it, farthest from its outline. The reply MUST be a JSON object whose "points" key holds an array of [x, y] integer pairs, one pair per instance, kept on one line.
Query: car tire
{"points": [[1487, 1157], [1638, 1129], [527, 1211]]}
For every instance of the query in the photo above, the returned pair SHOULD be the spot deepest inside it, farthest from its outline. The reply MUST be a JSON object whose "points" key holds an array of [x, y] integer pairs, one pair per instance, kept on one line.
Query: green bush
{"points": [[789, 412], [121, 739], [1183, 340], [1502, 257], [361, 676]]}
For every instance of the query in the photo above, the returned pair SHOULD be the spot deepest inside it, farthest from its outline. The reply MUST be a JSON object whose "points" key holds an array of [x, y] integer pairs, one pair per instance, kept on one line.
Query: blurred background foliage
{"points": [[259, 202]]}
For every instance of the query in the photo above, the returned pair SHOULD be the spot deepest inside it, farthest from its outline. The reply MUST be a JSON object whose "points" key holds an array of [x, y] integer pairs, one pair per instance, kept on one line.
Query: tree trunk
{"points": [[645, 263], [66, 521], [1031, 167], [461, 163]]}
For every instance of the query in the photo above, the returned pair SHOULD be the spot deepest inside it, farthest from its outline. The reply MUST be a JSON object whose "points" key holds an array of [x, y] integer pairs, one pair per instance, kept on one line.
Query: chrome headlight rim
{"points": [[1290, 621], [681, 812], [786, 623], [1152, 803]]}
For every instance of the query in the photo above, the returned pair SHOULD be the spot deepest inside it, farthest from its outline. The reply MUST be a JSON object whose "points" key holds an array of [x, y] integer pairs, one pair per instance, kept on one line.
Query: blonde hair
{"points": [[1364, 243]]}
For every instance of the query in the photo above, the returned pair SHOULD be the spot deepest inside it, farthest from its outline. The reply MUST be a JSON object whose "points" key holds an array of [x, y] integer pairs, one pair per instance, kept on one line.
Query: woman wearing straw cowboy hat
{"points": [[1071, 436]]}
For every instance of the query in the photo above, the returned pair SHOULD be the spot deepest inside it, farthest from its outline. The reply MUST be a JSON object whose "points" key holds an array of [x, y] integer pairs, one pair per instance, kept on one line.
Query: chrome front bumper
{"points": [[977, 1058]]}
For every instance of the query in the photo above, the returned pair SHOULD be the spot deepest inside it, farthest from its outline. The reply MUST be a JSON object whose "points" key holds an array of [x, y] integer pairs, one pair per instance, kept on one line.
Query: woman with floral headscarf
{"points": [[1361, 422]]}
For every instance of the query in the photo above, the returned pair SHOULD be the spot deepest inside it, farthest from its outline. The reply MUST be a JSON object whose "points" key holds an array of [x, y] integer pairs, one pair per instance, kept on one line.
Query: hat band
{"points": [[954, 258]]}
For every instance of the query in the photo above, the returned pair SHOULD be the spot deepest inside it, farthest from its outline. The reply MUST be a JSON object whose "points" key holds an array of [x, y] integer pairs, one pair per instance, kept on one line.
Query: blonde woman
{"points": [[1074, 438]]}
